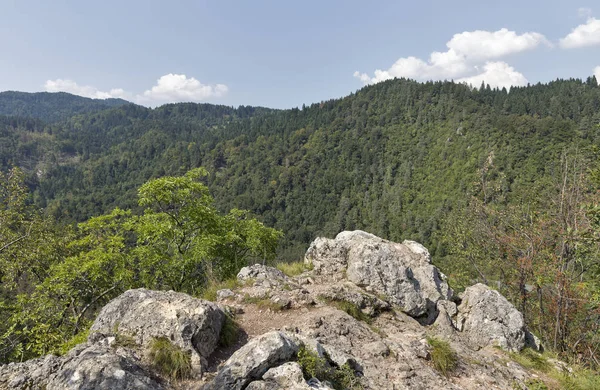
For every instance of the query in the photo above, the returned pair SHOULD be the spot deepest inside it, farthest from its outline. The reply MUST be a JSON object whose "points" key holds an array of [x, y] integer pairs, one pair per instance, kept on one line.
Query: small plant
{"points": [[350, 308], [169, 359], [267, 304], [536, 384], [229, 332], [314, 366], [528, 358], [124, 340], [293, 269], [210, 291], [443, 356]]}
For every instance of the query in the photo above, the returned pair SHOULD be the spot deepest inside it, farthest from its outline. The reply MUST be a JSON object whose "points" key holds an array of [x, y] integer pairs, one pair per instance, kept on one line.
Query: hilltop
{"points": [[342, 323]]}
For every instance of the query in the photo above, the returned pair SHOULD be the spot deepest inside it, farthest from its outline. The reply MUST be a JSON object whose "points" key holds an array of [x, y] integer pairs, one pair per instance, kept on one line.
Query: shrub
{"points": [[169, 359], [314, 366], [443, 356]]}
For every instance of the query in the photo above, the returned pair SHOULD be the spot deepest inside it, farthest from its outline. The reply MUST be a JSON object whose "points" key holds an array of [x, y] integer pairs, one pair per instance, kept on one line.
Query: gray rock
{"points": [[32, 374], [253, 360], [402, 272], [533, 342], [189, 323], [263, 276], [100, 367], [224, 294], [487, 318]]}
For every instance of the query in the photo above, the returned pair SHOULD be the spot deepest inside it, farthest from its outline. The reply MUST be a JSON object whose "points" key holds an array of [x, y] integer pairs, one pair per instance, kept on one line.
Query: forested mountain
{"points": [[502, 187], [51, 107], [392, 158]]}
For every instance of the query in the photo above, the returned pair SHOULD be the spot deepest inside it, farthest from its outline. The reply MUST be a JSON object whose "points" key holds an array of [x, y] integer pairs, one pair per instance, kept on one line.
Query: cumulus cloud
{"points": [[597, 73], [70, 86], [498, 74], [466, 51], [169, 88], [179, 88], [587, 34]]}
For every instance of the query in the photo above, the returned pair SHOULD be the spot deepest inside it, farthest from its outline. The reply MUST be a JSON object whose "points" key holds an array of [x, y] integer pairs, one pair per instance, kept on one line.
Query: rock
{"points": [[533, 342], [263, 276], [189, 323], [100, 367], [32, 374], [402, 272], [224, 294], [445, 323], [487, 318], [348, 292], [252, 360]]}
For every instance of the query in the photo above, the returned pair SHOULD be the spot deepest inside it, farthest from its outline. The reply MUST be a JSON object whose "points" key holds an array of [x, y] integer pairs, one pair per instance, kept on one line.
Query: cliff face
{"points": [[369, 314]]}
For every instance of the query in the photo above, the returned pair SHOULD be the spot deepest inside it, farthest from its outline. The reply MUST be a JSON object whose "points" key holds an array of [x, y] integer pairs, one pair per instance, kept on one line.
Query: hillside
{"points": [[393, 158], [52, 107]]}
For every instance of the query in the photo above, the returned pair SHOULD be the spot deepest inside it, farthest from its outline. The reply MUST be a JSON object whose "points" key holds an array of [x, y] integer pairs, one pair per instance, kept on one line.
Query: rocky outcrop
{"points": [[487, 318], [32, 374], [189, 323], [402, 272], [288, 376], [102, 367], [254, 359]]}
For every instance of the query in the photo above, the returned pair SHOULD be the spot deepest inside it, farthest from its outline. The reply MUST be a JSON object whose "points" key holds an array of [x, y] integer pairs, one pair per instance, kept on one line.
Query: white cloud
{"points": [[465, 52], [587, 34], [179, 88], [169, 88], [597, 73], [70, 86], [496, 74]]}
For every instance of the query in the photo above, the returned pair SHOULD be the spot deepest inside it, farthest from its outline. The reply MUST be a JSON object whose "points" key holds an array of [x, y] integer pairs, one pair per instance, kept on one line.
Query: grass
{"points": [[169, 359], [210, 291], [263, 303], [295, 268], [444, 359], [314, 366], [580, 379], [528, 358], [229, 332], [350, 308]]}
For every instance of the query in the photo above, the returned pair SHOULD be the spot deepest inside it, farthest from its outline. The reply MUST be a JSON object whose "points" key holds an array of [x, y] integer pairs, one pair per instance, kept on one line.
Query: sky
{"points": [[283, 54]]}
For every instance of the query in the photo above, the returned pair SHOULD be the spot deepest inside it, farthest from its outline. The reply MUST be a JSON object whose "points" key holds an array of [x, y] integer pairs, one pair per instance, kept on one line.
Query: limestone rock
{"points": [[189, 323], [263, 275], [402, 272], [100, 367], [487, 318], [253, 360], [32, 374]]}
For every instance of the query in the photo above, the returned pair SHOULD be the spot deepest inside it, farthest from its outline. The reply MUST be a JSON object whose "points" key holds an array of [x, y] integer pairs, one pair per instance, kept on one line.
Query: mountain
{"points": [[52, 107], [393, 158]]}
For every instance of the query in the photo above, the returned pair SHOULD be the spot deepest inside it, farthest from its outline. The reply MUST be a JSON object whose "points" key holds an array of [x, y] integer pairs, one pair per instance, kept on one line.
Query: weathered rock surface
{"points": [[32, 374], [402, 272], [487, 318], [101, 367], [253, 360], [288, 376], [189, 323]]}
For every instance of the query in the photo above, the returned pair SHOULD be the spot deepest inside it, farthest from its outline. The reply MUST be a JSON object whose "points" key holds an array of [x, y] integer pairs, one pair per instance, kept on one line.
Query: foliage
{"points": [[179, 242], [293, 268], [313, 366], [444, 358], [169, 359]]}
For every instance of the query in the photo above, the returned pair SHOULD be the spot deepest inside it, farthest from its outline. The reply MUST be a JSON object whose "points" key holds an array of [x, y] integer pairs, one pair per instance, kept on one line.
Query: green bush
{"points": [[443, 356], [313, 366], [169, 359]]}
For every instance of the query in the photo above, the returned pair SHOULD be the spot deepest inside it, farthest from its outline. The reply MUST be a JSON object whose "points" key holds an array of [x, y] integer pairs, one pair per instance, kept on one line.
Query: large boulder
{"points": [[253, 360], [486, 318], [402, 272], [190, 323], [101, 367], [288, 376], [31, 375]]}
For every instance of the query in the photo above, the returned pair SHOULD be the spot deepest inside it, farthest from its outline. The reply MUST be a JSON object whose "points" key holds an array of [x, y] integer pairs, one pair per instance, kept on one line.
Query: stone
{"points": [[402, 272], [487, 318], [100, 367], [224, 294], [253, 360], [190, 323], [32, 374]]}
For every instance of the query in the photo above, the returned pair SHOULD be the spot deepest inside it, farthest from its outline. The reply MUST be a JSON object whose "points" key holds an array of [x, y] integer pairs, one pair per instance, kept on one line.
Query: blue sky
{"points": [[282, 53]]}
